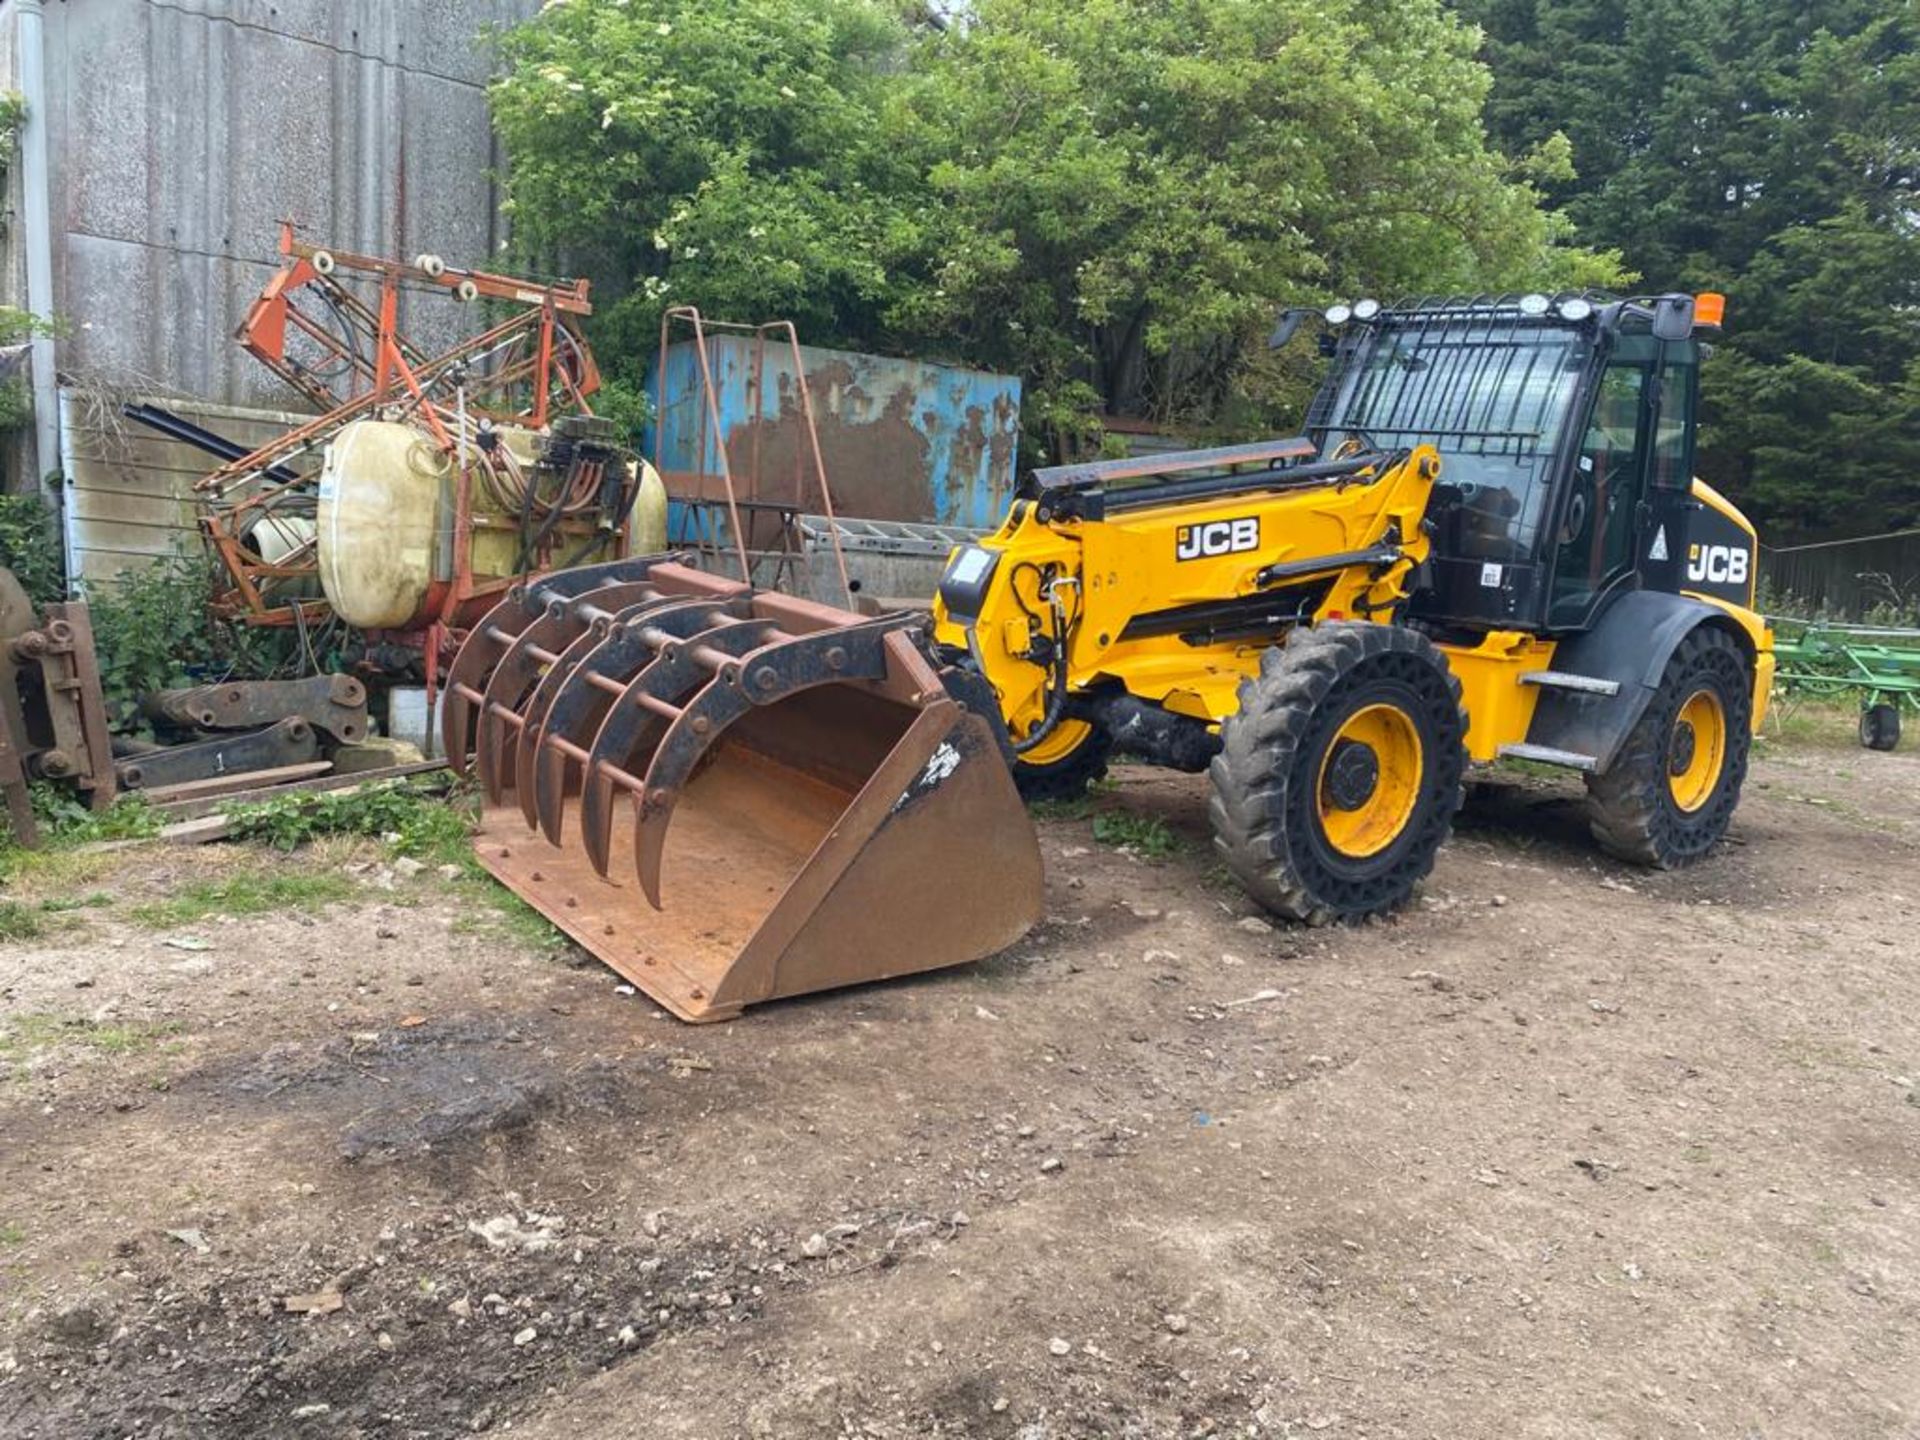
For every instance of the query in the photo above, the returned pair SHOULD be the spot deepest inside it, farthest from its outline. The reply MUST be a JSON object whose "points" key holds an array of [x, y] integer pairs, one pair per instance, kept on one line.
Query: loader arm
{"points": [[1168, 591]]}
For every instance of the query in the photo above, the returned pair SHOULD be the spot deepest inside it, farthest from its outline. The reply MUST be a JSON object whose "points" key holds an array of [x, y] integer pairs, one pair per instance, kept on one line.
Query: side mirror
{"points": [[1673, 317], [1287, 326]]}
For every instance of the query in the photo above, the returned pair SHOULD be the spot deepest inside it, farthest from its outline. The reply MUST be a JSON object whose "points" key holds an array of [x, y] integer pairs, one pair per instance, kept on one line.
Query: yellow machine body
{"points": [[1114, 571]]}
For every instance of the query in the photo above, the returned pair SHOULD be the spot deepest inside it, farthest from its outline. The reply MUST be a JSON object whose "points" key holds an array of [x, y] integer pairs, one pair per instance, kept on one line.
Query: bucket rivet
{"points": [[572, 902], [538, 876], [697, 993], [701, 724], [836, 658], [765, 677], [503, 852], [606, 929]]}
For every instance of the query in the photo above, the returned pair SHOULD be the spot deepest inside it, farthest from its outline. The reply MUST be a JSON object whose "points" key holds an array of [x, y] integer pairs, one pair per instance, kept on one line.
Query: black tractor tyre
{"points": [[1068, 777], [1632, 808], [1880, 726], [1274, 778]]}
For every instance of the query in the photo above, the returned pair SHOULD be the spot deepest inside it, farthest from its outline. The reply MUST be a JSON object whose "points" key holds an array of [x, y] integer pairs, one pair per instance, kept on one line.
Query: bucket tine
{"points": [[645, 708], [533, 714], [533, 651], [460, 705], [490, 639], [596, 685], [763, 676]]}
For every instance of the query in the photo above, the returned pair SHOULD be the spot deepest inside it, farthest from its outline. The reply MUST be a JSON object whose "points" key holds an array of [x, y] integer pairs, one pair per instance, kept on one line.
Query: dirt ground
{"points": [[1565, 1150]]}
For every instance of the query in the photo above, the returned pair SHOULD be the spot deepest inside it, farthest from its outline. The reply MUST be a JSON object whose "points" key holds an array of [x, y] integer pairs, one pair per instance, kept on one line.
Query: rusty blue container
{"points": [[900, 439]]}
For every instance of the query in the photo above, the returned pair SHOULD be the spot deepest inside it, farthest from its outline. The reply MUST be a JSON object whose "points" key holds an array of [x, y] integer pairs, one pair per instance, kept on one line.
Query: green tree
{"points": [[1770, 151], [725, 155], [1109, 198], [1129, 189]]}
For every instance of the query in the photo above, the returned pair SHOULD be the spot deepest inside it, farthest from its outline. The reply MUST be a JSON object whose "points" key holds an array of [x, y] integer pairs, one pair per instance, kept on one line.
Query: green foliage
{"points": [[13, 114], [724, 154], [24, 1036], [411, 819], [30, 546], [154, 630], [19, 922], [1109, 198], [251, 892], [627, 406], [65, 820], [1145, 835], [1129, 189], [1771, 152]]}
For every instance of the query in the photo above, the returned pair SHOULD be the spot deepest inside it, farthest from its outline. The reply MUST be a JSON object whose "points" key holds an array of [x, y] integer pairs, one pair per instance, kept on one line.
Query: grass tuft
{"points": [[1145, 835], [251, 892], [27, 1035]]}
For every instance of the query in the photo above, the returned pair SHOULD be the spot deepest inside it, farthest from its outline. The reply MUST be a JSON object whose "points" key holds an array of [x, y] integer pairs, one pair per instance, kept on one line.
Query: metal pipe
{"points": [[37, 218]]}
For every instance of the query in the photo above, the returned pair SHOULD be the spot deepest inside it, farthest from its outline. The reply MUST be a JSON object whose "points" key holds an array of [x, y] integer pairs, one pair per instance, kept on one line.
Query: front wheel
{"points": [[1668, 796], [1063, 765], [1339, 775]]}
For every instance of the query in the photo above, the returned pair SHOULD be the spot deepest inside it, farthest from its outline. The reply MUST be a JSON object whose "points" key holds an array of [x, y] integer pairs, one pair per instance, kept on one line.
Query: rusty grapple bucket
{"points": [[731, 795]]}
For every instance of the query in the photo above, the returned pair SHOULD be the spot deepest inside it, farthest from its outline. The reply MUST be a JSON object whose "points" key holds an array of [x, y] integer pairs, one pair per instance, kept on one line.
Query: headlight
{"points": [[1339, 314], [1575, 307], [1533, 304], [1365, 309]]}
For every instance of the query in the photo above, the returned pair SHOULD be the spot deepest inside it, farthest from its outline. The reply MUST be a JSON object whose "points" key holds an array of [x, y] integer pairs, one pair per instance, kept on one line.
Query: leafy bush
{"points": [[412, 820], [67, 821], [154, 629], [30, 546]]}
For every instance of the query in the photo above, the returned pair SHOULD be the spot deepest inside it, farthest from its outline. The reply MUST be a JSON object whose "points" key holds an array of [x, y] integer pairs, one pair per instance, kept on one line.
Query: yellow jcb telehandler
{"points": [[1488, 543]]}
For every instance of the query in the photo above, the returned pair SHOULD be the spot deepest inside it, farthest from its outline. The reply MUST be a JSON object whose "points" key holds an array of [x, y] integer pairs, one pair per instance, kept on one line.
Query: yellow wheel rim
{"points": [[1360, 818], [1697, 750], [1065, 739]]}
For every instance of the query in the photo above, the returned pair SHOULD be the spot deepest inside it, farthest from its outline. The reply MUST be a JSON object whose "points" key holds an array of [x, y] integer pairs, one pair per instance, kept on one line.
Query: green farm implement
{"points": [[1878, 666]]}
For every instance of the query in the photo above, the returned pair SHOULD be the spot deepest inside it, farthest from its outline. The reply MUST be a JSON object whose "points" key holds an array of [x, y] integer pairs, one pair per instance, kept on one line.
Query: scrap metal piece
{"points": [[53, 715], [21, 821], [333, 704], [816, 774], [291, 742]]}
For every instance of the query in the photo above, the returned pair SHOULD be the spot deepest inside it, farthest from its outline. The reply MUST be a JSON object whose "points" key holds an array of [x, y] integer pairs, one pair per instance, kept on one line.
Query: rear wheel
{"points": [[1339, 776], [1880, 726], [1670, 793], [1061, 766]]}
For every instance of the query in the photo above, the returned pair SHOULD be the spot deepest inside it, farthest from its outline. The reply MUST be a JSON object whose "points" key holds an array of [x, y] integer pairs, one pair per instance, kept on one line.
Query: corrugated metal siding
{"points": [[129, 494], [182, 132], [901, 439], [1845, 579]]}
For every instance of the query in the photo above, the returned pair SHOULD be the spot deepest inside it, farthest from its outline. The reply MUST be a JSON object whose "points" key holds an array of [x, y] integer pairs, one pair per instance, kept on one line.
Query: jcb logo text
{"points": [[1217, 537], [1717, 564]]}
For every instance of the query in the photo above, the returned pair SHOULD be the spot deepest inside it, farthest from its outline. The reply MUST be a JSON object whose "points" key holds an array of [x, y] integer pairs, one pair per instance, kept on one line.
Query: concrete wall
{"points": [[182, 131]]}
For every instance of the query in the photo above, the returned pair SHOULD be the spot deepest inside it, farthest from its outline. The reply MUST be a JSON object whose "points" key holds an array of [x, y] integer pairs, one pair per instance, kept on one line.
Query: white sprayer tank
{"points": [[381, 493], [386, 502]]}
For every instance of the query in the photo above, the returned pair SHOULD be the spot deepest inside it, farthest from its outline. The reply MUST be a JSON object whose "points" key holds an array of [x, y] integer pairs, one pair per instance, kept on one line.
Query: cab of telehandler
{"points": [[1566, 428]]}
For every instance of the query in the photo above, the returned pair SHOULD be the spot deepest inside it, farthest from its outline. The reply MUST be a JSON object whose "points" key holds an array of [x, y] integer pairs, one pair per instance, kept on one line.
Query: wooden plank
{"points": [[351, 780], [197, 832], [228, 784]]}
